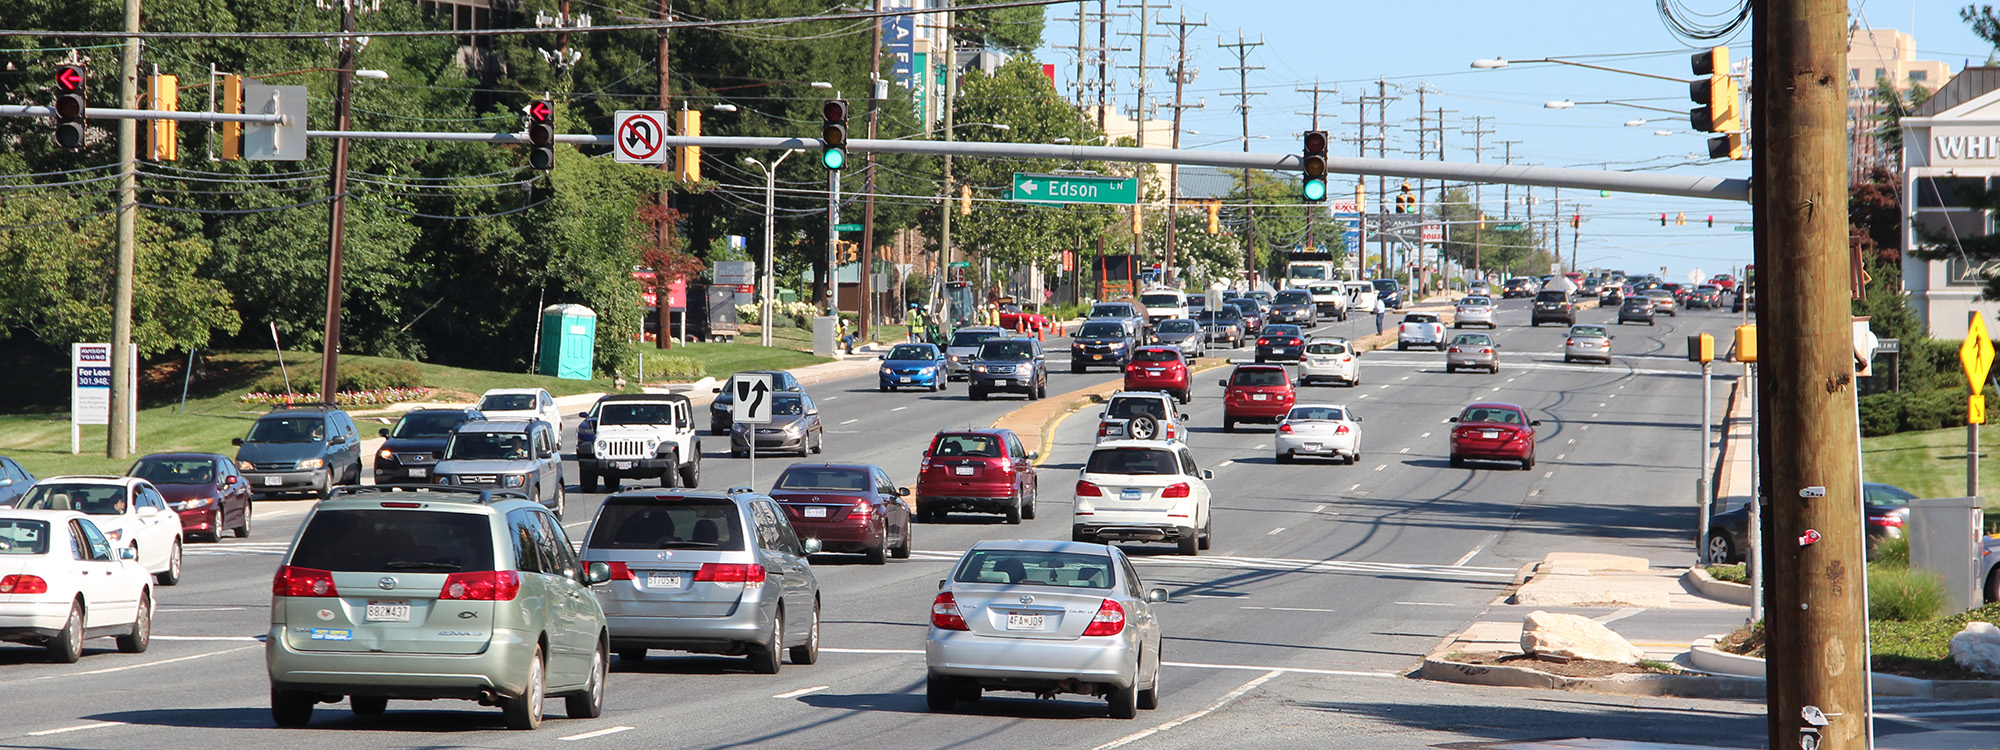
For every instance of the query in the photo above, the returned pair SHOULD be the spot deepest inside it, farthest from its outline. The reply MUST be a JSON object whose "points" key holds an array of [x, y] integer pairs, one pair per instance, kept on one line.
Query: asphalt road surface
{"points": [[1326, 585]]}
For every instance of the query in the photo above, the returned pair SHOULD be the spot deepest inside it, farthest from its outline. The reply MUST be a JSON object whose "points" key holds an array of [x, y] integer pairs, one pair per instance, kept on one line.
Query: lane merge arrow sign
{"points": [[752, 399], [639, 137]]}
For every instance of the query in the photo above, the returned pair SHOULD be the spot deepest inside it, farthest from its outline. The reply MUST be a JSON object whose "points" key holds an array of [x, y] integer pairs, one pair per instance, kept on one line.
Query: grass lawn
{"points": [[1922, 648], [1930, 464]]}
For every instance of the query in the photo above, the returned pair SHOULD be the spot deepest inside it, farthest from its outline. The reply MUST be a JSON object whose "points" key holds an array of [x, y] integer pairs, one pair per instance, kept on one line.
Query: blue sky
{"points": [[1349, 45]]}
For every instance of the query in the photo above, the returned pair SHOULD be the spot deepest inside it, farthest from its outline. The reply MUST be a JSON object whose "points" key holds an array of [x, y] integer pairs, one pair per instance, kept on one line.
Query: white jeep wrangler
{"points": [[638, 436]]}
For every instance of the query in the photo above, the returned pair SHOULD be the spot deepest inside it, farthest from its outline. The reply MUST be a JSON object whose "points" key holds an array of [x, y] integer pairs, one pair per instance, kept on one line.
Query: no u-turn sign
{"points": [[639, 137]]}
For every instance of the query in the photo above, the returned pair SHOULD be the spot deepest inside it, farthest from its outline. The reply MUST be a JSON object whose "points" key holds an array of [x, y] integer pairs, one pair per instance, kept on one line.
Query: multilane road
{"points": [[1325, 586]]}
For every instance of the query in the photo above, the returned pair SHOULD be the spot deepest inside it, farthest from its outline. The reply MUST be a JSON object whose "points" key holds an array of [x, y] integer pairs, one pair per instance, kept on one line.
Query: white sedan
{"points": [[1319, 430], [62, 581], [1330, 359], [523, 403], [130, 512]]}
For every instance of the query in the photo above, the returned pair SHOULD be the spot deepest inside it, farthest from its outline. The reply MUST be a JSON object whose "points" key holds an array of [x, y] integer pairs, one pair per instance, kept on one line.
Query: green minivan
{"points": [[434, 592]]}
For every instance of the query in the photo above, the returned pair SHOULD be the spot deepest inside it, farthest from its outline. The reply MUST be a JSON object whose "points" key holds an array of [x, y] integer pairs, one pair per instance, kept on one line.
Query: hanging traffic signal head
{"points": [[1215, 217], [1726, 146], [1406, 201], [1314, 158], [1715, 91], [542, 135], [70, 106], [833, 132]]}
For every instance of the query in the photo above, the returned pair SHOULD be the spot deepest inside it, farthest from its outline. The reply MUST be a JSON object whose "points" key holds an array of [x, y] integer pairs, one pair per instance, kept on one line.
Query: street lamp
{"points": [[722, 108], [1567, 104], [1501, 62], [770, 229]]}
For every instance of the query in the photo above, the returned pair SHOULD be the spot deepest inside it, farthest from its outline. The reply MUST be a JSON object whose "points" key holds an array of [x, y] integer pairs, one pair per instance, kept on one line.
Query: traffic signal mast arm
{"points": [[103, 113]]}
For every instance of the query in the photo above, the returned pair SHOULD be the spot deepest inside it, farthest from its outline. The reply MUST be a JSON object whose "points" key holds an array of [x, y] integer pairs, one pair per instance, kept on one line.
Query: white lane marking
{"points": [[1572, 441], [1512, 379], [1425, 435], [1547, 474], [1475, 551], [1621, 614], [1318, 508], [1225, 463], [77, 728], [1496, 389], [1426, 604], [1600, 406], [1382, 386], [1405, 450], [598, 733], [1536, 493], [1585, 427], [1406, 377], [1938, 713], [802, 691], [851, 421], [1260, 446], [1274, 532], [250, 638], [575, 523], [918, 652], [1281, 670], [1614, 395], [1593, 415], [1287, 609], [1355, 487], [829, 398], [109, 670], [1383, 466], [1362, 396], [899, 408], [1225, 700]]}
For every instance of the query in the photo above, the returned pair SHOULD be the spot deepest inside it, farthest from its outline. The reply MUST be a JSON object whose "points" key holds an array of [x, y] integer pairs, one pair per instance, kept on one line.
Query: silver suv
{"points": [[707, 572], [505, 455], [423, 593]]}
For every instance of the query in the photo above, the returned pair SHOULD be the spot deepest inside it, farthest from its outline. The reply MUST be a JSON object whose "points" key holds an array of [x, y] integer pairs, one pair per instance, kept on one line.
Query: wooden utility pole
{"points": [[1182, 77], [1478, 132], [666, 228], [1817, 618], [329, 368], [1241, 49], [119, 436], [877, 88]]}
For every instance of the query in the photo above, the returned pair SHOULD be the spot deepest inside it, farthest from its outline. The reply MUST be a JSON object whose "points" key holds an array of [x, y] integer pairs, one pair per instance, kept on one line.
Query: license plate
{"points": [[420, 472], [663, 580], [1096, 356], [1155, 372], [963, 471], [273, 481], [1003, 382], [1259, 397], [815, 512], [904, 379], [622, 464], [1489, 434], [1312, 446], [388, 611], [1129, 493], [1024, 622]]}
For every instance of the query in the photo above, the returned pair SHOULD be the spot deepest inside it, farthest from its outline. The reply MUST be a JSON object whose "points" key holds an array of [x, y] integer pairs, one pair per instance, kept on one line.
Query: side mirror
{"points": [[812, 413], [596, 573], [384, 432], [715, 390], [943, 582], [812, 546], [1032, 455], [1207, 474], [1453, 419], [1103, 415], [903, 491], [548, 454], [1156, 596], [236, 441], [884, 357], [1183, 417], [1223, 383], [338, 440], [1534, 423], [583, 415], [127, 553]]}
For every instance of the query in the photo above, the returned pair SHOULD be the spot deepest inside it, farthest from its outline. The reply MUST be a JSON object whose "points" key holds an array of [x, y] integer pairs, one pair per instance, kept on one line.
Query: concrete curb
{"points": [[1706, 657], [1437, 668], [1721, 591]]}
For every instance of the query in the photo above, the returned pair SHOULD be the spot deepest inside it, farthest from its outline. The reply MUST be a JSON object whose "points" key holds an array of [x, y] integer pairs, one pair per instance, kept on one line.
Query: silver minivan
{"points": [[705, 572]]}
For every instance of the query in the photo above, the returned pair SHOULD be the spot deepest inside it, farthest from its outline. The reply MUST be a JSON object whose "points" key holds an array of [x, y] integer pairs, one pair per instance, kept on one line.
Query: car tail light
{"points": [[482, 586], [730, 573], [1456, 350], [1341, 430], [295, 581], [402, 505], [1087, 489], [1104, 430], [1110, 619], [1487, 350], [1569, 342], [1284, 428], [1291, 342], [945, 616], [1263, 342], [862, 509], [23, 584], [1177, 489], [621, 572], [1896, 521]]}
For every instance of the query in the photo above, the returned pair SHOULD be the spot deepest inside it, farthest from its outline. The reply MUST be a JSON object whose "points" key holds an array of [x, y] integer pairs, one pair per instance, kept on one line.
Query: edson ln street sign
{"points": [[1048, 188]]}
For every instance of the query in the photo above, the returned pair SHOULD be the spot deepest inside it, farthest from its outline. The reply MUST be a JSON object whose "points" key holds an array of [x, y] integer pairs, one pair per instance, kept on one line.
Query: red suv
{"points": [[982, 471], [1493, 431], [1256, 392], [847, 507], [1159, 368]]}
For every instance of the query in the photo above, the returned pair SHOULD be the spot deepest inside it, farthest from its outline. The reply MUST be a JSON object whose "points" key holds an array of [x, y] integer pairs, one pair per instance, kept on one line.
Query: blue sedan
{"points": [[913, 365]]}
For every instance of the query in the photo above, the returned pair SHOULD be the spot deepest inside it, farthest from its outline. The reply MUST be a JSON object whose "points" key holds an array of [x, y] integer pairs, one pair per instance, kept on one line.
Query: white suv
{"points": [[1142, 415], [1163, 304], [1330, 359], [638, 436], [1142, 490]]}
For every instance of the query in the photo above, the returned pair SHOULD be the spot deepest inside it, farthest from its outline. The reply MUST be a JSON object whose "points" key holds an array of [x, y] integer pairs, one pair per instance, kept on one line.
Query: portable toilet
{"points": [[569, 341]]}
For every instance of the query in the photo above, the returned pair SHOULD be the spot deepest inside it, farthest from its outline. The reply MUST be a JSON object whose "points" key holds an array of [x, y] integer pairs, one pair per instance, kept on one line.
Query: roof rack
{"points": [[481, 496], [741, 490]]}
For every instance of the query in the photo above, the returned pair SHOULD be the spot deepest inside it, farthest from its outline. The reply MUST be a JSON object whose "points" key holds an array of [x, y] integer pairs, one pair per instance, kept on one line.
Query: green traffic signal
{"points": [[1315, 189], [833, 158]]}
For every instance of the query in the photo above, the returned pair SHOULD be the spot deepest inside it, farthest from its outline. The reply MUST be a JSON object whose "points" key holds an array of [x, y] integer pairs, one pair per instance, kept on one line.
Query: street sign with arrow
{"points": [[639, 137], [752, 399], [1070, 188]]}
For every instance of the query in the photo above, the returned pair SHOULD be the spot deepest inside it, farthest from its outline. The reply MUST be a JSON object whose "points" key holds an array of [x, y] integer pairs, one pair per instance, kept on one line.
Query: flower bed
{"points": [[343, 398]]}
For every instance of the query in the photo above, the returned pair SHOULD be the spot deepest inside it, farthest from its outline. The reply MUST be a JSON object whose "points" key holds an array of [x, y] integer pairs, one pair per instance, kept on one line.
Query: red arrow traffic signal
{"points": [[541, 111], [69, 78]]}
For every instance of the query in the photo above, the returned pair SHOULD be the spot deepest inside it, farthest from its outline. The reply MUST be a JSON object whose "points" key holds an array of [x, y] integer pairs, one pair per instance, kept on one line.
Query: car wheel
{"points": [[367, 705], [172, 575], [1448, 369], [1189, 545], [1722, 551], [977, 394], [292, 708], [1125, 700], [1993, 586], [1075, 368], [738, 453], [1494, 370], [1402, 347], [242, 530], [524, 711], [562, 498], [1567, 359], [691, 472], [589, 704], [1457, 463], [808, 652], [1528, 463], [882, 388], [818, 441], [902, 549], [1149, 699], [586, 482], [1284, 458], [141, 636], [67, 645], [878, 554], [634, 655], [940, 692], [1207, 534], [610, 484], [1014, 511], [764, 657]]}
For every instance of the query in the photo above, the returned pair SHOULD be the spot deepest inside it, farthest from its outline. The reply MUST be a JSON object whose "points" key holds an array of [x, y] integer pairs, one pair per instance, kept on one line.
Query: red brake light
{"points": [[399, 504], [1569, 342], [1177, 489], [1896, 521], [1086, 489], [1110, 619], [862, 508], [730, 573], [1341, 430], [294, 581], [484, 586], [1487, 350], [621, 572], [1285, 427], [23, 584], [944, 613], [1263, 342]]}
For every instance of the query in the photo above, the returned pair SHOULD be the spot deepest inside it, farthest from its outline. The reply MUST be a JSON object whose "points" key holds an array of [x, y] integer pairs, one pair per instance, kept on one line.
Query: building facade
{"points": [[1875, 55], [1951, 152]]}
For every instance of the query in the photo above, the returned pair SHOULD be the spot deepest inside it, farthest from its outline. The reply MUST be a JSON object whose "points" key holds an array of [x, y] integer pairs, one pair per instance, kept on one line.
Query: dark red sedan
{"points": [[979, 470], [204, 488], [1493, 431], [848, 508], [1257, 393], [1159, 368]]}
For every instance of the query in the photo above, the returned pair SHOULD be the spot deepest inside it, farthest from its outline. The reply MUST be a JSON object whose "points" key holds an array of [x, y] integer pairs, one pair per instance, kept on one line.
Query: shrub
{"points": [[1933, 410], [1881, 414], [1892, 553], [672, 368], [356, 377], [1904, 594], [1732, 573]]}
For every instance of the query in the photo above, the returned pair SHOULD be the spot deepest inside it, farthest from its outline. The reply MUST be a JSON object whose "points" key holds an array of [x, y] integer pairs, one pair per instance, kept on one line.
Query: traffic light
{"points": [[1138, 220], [834, 133], [687, 159], [1726, 146], [1681, 219], [70, 106], [1576, 221], [1663, 220], [1406, 201], [1746, 343], [1701, 348], [542, 135], [1711, 221], [232, 103], [1717, 93], [965, 200], [1314, 186], [1215, 217], [163, 136]]}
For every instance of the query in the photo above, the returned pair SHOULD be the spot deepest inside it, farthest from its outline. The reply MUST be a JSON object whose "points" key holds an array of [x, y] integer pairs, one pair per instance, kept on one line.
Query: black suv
{"points": [[1009, 365], [300, 449], [1553, 305], [1101, 342], [413, 445], [1390, 292]]}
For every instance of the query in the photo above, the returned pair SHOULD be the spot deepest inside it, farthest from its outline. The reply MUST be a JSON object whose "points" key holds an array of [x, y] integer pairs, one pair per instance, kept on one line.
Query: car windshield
{"points": [[1035, 568], [1491, 415], [912, 351], [94, 499], [1420, 318], [1127, 408], [1551, 296], [1472, 339], [685, 523], [1156, 355], [970, 339], [1015, 351], [1386, 285], [1638, 303], [1593, 332], [1475, 302], [1660, 293], [1282, 330], [1148, 461], [287, 430], [1296, 297], [174, 470], [427, 424], [1160, 300], [385, 541], [977, 446], [19, 536], [788, 406], [1258, 378], [1316, 413], [639, 413], [508, 402], [1307, 272], [1102, 330], [822, 478], [480, 446], [1177, 325], [1885, 495], [1111, 311], [1245, 304], [1326, 347], [1221, 315]]}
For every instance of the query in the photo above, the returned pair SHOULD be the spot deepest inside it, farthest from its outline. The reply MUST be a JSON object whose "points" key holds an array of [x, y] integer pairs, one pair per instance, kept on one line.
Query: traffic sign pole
{"points": [[751, 406], [1976, 356]]}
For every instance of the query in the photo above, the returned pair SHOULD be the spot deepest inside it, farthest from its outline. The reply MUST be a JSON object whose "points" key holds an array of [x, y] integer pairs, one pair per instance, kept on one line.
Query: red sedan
{"points": [[1492, 431], [1261, 393], [848, 508], [977, 470], [1013, 318], [204, 488], [1159, 368]]}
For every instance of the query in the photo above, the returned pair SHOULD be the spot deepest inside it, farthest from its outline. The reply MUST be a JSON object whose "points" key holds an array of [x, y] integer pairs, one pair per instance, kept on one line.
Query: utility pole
{"points": [[1817, 618], [944, 204], [1442, 185], [1312, 211], [877, 90], [1103, 61], [1141, 86], [1478, 132], [122, 433], [1381, 138], [1242, 48], [1507, 190], [329, 370], [1182, 77], [665, 228]]}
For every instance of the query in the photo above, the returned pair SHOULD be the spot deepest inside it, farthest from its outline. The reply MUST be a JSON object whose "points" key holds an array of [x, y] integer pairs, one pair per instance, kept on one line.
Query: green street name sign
{"points": [[847, 227], [1507, 227], [1067, 188]]}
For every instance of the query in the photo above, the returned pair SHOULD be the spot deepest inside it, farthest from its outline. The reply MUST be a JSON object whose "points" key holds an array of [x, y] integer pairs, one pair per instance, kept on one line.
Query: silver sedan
{"points": [[1472, 351], [1472, 311], [1044, 617], [1182, 334]]}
